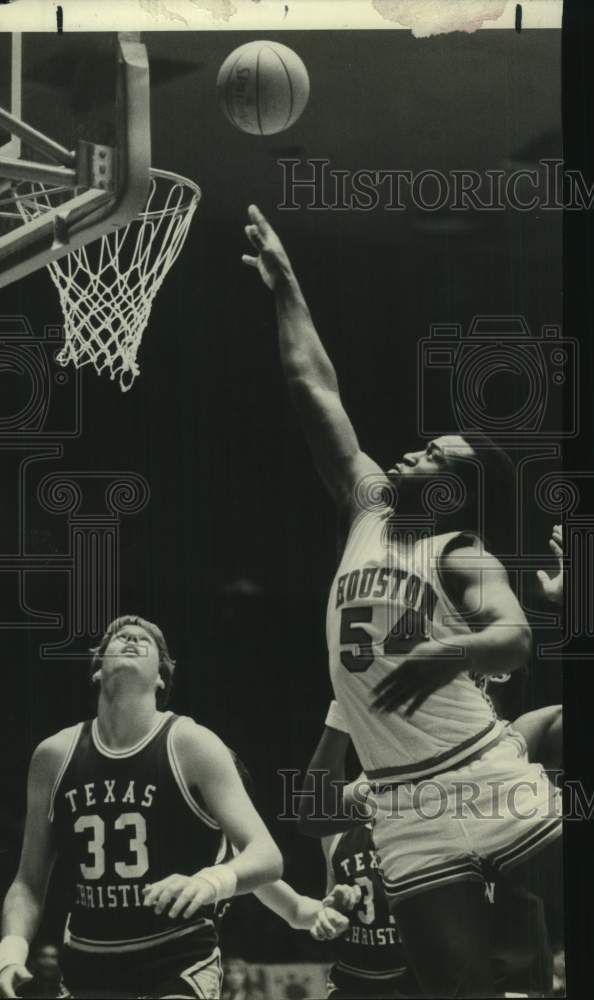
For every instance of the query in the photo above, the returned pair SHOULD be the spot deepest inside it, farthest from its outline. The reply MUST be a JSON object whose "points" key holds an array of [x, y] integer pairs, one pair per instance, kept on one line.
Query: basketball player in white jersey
{"points": [[411, 614], [137, 803]]}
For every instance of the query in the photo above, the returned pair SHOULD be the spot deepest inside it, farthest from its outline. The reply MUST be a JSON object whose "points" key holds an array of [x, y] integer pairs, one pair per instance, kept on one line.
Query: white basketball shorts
{"points": [[498, 809]]}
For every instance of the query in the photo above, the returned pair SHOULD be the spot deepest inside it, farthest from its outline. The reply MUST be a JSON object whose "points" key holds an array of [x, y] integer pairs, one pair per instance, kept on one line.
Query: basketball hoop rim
{"points": [[169, 175], [193, 195]]}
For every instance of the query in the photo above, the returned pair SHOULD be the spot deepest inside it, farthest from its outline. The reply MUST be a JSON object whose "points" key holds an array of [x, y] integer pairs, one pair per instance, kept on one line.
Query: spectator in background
{"points": [[47, 977], [236, 981], [295, 988]]}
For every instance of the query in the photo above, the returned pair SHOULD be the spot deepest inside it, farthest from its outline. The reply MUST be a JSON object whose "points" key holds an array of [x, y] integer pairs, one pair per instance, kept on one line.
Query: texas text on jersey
{"points": [[369, 958]]}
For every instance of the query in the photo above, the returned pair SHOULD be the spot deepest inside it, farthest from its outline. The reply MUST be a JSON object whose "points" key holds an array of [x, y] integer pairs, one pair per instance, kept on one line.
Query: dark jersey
{"points": [[370, 951], [124, 820]]}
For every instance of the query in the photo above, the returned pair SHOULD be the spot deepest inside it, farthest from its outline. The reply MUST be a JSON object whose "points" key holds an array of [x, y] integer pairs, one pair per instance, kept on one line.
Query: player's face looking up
{"points": [[438, 456], [132, 648]]}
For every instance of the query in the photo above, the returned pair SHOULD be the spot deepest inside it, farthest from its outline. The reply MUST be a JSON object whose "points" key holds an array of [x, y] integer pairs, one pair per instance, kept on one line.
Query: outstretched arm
{"points": [[320, 917], [309, 373]]}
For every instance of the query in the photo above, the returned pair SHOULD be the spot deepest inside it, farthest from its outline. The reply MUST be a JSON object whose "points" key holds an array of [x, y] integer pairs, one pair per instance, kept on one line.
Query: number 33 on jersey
{"points": [[124, 820]]}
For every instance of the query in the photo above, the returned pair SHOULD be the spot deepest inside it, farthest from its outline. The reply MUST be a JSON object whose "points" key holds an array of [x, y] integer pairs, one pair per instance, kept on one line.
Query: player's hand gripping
{"points": [[329, 924], [11, 977], [182, 895], [332, 919], [343, 898], [552, 585], [272, 261]]}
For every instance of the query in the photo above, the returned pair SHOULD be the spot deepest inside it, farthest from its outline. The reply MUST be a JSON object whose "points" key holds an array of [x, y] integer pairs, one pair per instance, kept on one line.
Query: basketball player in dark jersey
{"points": [[139, 803], [413, 613], [369, 958]]}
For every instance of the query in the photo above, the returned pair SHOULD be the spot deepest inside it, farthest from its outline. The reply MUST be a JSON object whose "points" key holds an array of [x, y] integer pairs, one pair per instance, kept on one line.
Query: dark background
{"points": [[235, 551]]}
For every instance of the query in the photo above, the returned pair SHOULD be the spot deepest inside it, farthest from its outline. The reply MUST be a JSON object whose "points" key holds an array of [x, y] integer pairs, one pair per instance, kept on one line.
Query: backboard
{"points": [[78, 194], [80, 107]]}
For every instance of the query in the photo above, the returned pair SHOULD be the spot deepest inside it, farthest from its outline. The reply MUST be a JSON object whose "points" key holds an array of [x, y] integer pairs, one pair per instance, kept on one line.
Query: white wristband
{"points": [[223, 880], [335, 718], [13, 951]]}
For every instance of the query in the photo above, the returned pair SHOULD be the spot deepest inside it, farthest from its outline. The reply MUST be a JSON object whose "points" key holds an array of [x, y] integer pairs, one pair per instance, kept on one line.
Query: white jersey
{"points": [[387, 597]]}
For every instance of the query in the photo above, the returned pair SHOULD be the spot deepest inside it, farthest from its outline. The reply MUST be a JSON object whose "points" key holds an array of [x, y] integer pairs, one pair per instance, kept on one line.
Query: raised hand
{"points": [[552, 583], [271, 261]]}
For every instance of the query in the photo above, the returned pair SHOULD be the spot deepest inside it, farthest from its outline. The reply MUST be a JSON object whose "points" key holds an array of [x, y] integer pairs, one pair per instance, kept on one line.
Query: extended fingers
{"points": [[184, 896], [202, 896], [419, 700], [395, 689], [556, 546], [161, 893], [397, 678], [343, 897], [257, 217], [254, 236]]}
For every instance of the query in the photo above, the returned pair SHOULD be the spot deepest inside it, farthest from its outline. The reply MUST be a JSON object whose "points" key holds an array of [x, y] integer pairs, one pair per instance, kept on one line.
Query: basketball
{"points": [[263, 87]]}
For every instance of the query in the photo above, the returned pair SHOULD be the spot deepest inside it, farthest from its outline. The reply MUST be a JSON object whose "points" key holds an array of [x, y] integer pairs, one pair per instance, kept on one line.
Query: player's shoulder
{"points": [[464, 553], [195, 741], [49, 755]]}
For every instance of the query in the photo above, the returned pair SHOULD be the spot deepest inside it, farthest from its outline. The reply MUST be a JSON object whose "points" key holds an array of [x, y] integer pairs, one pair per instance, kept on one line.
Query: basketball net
{"points": [[107, 287]]}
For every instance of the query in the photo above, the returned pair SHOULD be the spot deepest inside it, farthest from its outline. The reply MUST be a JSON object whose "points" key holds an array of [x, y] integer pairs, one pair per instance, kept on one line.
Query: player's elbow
{"points": [[521, 647], [515, 649]]}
